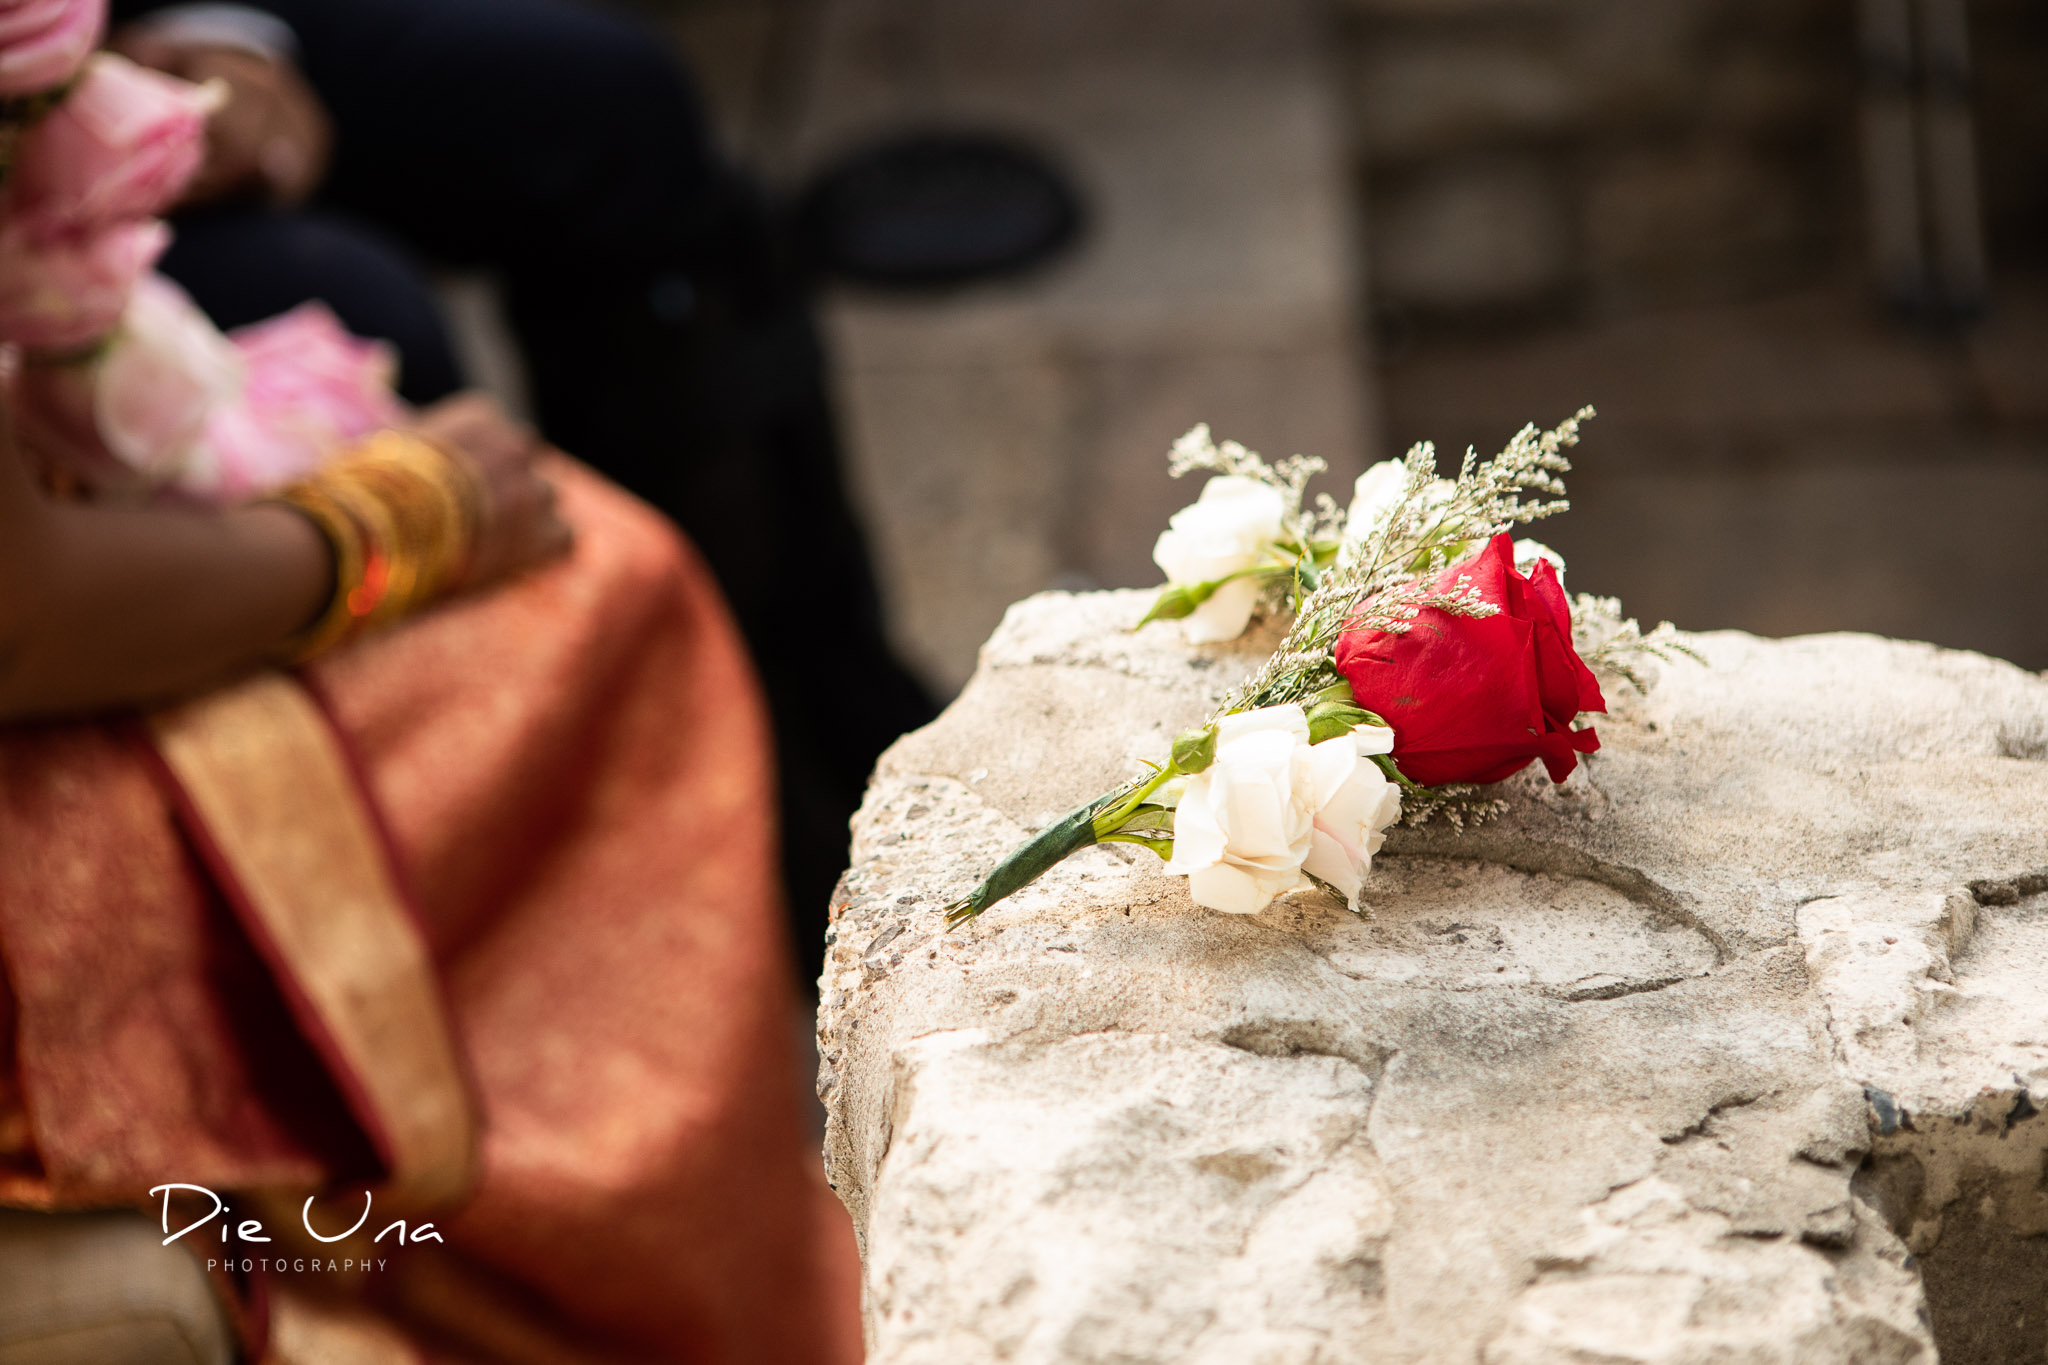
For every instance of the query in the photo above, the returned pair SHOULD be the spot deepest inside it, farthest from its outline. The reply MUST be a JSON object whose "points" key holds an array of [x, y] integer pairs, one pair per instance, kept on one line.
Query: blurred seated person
{"points": [[667, 341], [387, 820], [479, 917]]}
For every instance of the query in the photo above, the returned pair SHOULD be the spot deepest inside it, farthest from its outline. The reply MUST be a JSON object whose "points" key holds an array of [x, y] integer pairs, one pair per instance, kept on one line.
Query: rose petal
{"points": [[1236, 891], [1198, 840], [1290, 720], [1335, 862]]}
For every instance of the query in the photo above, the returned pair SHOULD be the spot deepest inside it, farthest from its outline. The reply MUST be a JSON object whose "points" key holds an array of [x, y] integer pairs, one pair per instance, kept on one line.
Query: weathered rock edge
{"points": [[1670, 1064]]}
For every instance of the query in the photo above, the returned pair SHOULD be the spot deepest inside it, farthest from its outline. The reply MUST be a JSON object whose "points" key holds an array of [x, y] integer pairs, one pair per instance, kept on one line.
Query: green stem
{"points": [[1162, 847], [1052, 845], [1113, 819]]}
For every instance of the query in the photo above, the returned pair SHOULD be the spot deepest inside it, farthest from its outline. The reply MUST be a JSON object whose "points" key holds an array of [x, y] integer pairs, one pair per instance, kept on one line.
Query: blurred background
{"points": [[1795, 251]]}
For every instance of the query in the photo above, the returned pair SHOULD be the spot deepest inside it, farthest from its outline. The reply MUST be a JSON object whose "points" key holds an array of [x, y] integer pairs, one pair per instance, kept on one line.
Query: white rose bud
{"points": [[1232, 526], [1378, 493], [1355, 803]]}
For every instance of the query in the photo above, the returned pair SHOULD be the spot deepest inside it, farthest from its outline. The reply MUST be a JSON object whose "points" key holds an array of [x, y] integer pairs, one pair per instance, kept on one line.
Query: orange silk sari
{"points": [[479, 916]]}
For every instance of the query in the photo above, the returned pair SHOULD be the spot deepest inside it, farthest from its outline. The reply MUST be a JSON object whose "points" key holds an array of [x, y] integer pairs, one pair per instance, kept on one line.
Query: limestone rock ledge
{"points": [[1729, 1049]]}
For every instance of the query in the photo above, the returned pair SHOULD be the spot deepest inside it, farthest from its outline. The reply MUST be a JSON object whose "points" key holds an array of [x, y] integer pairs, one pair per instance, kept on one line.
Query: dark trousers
{"points": [[668, 342]]}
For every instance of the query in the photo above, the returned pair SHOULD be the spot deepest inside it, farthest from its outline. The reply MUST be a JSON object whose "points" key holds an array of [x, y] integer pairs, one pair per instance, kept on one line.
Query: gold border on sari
{"points": [[279, 813]]}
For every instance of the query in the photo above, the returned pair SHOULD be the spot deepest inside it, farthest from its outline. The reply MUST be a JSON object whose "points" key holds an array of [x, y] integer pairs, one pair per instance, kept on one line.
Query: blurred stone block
{"points": [[1792, 465], [1791, 364], [1766, 92], [1428, 10], [955, 485], [1419, 96], [1277, 399], [1946, 550], [1702, 219], [102, 1289], [1486, 233]]}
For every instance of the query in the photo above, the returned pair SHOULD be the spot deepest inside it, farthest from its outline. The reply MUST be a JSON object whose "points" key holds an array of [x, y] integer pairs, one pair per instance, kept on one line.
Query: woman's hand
{"points": [[270, 141], [522, 527]]}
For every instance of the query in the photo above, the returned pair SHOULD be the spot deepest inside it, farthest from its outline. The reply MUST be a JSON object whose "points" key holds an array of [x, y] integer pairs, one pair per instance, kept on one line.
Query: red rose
{"points": [[1473, 699]]}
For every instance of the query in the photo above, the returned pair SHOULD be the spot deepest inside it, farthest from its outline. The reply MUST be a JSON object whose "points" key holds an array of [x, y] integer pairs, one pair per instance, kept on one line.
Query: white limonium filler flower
{"points": [[1229, 529], [1270, 806]]}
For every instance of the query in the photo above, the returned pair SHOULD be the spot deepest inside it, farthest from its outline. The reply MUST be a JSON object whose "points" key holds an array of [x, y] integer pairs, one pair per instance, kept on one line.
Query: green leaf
{"points": [[1329, 719], [1339, 690], [1395, 775], [1162, 847], [1177, 600]]}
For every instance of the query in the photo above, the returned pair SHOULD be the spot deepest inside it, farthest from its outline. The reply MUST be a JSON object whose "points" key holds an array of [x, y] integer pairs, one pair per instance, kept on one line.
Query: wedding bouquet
{"points": [[1429, 654]]}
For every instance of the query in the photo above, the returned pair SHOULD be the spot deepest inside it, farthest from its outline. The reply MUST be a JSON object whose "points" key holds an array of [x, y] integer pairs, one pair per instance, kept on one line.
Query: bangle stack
{"points": [[403, 516]]}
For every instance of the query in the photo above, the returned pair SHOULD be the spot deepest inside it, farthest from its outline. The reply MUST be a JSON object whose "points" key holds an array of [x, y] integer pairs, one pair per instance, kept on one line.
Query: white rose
{"points": [[1377, 495], [1355, 803], [164, 373], [1529, 552], [1271, 805], [1374, 497], [1231, 527], [1245, 822]]}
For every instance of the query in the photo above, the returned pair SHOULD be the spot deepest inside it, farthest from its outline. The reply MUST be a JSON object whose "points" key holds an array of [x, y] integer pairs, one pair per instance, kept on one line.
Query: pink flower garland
{"points": [[125, 377]]}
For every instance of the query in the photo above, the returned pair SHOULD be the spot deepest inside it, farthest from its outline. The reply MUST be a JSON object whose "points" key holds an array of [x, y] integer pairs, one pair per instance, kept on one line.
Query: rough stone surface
{"points": [[1673, 1063]]}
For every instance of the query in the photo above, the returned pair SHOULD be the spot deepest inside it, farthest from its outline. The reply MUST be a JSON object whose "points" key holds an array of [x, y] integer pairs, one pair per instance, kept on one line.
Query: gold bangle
{"points": [[403, 515], [387, 586], [460, 481], [344, 536], [424, 552], [436, 499]]}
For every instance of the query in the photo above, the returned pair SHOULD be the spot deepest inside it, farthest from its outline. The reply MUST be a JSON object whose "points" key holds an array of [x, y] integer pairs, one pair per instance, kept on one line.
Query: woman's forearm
{"points": [[101, 607], [106, 606]]}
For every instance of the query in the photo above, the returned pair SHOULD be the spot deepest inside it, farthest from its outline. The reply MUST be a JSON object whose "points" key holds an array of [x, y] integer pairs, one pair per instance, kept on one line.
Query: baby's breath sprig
{"points": [[1459, 805], [1436, 521], [1605, 639]]}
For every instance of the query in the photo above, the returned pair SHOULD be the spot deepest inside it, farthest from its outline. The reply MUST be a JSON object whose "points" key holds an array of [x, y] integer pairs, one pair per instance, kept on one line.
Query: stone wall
{"points": [[1557, 157], [1660, 209], [1531, 154], [1729, 1049], [1650, 205]]}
